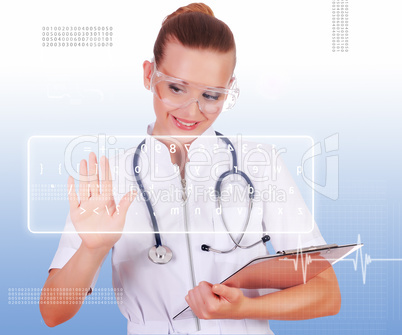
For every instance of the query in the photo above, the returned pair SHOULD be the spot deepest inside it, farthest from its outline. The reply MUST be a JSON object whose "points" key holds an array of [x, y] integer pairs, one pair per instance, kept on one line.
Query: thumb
{"points": [[231, 294], [125, 203]]}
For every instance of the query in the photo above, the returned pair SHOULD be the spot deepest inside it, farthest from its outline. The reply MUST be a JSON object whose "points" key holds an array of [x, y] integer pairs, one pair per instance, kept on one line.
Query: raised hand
{"points": [[96, 217]]}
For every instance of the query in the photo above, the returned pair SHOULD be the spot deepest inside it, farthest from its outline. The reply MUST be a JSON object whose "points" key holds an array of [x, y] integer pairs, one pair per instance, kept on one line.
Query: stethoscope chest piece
{"points": [[160, 255]]}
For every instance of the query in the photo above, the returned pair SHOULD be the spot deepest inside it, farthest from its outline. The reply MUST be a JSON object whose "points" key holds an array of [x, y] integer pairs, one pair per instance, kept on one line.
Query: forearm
{"points": [[319, 297], [76, 275]]}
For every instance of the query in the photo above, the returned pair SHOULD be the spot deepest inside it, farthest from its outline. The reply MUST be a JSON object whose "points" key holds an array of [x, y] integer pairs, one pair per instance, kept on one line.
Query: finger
{"points": [[84, 186], [93, 175], [193, 302], [106, 177], [190, 303], [195, 298], [199, 297], [72, 195], [122, 207], [207, 295], [204, 300], [205, 284], [230, 294]]}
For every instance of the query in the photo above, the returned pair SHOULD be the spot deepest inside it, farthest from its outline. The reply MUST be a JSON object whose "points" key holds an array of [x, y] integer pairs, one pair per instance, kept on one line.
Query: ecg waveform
{"points": [[366, 260], [305, 260]]}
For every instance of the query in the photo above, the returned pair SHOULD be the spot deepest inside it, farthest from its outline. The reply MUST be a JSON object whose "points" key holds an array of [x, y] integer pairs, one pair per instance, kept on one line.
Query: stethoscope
{"points": [[161, 254]]}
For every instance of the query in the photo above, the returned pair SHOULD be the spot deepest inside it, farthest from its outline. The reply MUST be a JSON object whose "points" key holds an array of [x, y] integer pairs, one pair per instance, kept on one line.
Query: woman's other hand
{"points": [[216, 301]]}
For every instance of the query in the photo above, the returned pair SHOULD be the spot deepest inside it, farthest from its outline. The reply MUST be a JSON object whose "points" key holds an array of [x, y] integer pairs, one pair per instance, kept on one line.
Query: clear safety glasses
{"points": [[178, 93]]}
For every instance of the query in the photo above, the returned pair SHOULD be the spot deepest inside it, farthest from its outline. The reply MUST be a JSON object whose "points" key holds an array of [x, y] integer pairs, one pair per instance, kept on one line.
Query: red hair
{"points": [[194, 26]]}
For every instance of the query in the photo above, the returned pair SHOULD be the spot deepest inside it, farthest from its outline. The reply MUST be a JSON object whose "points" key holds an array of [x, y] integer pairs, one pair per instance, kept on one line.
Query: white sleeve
{"points": [[286, 216], [69, 243]]}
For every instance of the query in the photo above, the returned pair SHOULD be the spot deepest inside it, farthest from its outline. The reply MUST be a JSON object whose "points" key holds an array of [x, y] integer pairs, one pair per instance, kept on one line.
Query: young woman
{"points": [[192, 79]]}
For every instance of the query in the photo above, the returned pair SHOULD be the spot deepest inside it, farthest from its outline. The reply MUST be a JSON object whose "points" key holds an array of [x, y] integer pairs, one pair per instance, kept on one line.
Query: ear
{"points": [[147, 66]]}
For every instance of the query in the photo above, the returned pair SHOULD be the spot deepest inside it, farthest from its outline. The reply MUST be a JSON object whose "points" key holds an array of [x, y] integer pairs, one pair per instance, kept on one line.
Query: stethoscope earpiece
{"points": [[205, 247], [265, 238]]}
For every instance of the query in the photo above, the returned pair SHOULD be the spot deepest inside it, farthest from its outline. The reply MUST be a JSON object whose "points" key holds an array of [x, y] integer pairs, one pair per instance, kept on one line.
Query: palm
{"points": [[97, 219]]}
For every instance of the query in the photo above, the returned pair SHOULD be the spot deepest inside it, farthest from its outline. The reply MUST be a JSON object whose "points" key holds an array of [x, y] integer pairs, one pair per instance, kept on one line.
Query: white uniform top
{"points": [[153, 294]]}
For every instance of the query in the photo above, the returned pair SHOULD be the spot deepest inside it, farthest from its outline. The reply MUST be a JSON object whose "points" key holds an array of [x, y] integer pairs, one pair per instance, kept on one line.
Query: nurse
{"points": [[194, 51]]}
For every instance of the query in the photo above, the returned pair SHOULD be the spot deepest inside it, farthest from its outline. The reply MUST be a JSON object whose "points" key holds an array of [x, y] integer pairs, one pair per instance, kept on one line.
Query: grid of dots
{"points": [[64, 296], [57, 192], [340, 24], [77, 36]]}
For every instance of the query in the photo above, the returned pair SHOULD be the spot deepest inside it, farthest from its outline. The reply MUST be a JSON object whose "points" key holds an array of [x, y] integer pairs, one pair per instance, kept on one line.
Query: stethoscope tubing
{"points": [[157, 253], [146, 196]]}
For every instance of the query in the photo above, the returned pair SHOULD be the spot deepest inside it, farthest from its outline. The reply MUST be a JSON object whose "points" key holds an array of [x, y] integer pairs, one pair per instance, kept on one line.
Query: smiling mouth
{"points": [[188, 124]]}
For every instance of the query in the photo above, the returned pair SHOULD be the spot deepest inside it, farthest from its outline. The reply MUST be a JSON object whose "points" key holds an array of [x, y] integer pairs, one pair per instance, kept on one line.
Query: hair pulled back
{"points": [[194, 26]]}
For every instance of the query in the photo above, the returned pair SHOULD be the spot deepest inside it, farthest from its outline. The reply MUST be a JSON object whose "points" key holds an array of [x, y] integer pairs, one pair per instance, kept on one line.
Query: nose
{"points": [[192, 110]]}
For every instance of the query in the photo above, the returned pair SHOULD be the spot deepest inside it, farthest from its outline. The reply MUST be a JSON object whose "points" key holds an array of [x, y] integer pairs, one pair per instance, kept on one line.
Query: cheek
{"points": [[159, 108], [213, 117]]}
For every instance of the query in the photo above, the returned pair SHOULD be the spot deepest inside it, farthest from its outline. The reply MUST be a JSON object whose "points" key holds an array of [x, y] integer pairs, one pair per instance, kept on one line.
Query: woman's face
{"points": [[198, 66]]}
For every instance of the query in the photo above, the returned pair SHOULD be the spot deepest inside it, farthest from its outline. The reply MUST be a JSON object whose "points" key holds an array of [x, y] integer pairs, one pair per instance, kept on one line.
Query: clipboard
{"points": [[284, 269]]}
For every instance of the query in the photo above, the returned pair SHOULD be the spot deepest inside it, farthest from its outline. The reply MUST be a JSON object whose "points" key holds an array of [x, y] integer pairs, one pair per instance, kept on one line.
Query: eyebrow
{"points": [[186, 83], [182, 81]]}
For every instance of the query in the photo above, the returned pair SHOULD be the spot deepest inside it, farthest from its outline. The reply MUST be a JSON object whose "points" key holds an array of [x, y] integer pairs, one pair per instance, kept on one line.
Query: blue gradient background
{"points": [[291, 84]]}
